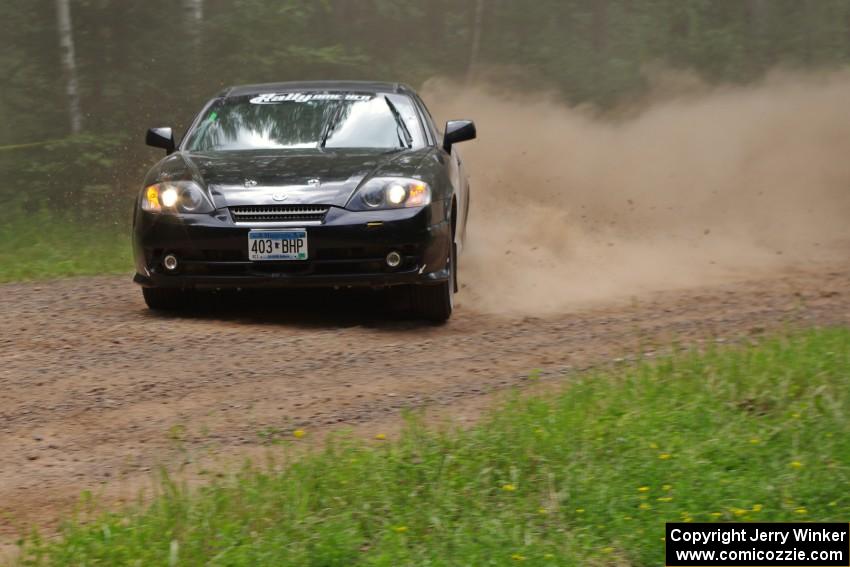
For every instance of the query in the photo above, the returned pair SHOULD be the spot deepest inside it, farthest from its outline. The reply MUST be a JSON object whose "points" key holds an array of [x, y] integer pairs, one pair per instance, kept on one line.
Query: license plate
{"points": [[290, 244]]}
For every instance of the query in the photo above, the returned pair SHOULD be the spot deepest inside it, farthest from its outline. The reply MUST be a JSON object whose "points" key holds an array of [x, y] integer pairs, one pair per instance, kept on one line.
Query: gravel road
{"points": [[95, 391]]}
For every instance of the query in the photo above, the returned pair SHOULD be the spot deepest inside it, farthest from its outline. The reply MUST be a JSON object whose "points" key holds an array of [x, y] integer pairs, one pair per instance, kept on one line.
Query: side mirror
{"points": [[161, 138], [458, 131]]}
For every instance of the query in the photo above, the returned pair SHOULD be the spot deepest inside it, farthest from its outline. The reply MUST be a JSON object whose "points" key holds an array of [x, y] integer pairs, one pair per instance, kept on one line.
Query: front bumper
{"points": [[347, 250]]}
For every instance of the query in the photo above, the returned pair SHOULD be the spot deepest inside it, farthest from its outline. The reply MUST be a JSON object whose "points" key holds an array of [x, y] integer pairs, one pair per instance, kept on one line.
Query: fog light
{"points": [[170, 262], [393, 259]]}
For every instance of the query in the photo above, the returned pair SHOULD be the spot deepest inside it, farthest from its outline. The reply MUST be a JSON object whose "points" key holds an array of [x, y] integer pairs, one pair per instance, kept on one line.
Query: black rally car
{"points": [[335, 184]]}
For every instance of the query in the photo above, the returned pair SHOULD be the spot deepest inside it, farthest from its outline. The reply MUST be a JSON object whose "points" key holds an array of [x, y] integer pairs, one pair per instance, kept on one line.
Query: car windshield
{"points": [[308, 120]]}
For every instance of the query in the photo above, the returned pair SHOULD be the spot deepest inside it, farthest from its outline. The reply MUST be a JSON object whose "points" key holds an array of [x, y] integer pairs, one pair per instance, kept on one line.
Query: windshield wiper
{"points": [[326, 132], [408, 139]]}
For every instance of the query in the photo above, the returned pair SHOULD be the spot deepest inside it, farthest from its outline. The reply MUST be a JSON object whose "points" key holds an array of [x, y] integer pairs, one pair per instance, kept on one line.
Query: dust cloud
{"points": [[693, 185]]}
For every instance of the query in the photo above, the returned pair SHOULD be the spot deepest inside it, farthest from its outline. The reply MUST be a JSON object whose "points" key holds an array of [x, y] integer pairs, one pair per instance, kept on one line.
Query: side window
{"points": [[433, 133], [196, 121]]}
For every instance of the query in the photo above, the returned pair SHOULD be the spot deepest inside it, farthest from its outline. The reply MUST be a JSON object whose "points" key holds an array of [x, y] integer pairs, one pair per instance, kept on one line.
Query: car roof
{"points": [[323, 86]]}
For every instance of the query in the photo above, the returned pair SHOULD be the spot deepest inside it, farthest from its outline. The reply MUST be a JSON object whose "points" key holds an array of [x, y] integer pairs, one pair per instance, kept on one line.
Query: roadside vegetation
{"points": [[588, 476], [44, 245]]}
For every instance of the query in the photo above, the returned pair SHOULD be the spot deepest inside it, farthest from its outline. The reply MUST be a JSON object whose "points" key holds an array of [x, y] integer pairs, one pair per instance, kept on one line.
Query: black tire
{"points": [[165, 299], [433, 302], [436, 302]]}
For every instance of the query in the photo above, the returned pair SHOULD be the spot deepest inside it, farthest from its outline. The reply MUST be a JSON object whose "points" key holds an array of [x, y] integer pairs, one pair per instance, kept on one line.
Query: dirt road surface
{"points": [[96, 392]]}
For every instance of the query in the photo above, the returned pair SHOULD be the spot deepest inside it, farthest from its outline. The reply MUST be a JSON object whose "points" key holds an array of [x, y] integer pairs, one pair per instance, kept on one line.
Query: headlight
{"points": [[176, 197], [390, 193]]}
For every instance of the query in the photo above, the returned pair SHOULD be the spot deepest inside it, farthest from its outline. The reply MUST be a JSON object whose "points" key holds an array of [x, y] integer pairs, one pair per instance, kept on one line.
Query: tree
{"points": [[194, 10], [476, 38], [69, 65]]}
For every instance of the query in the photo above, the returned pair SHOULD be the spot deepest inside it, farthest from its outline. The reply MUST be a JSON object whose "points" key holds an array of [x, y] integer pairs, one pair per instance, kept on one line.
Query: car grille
{"points": [[278, 213]]}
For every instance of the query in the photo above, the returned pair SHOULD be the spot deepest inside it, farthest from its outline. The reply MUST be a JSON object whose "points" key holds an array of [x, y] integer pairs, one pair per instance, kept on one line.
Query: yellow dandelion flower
{"points": [[667, 487], [715, 514], [755, 441], [299, 433], [757, 507], [796, 465], [643, 489], [400, 529], [802, 511], [380, 436], [518, 557], [645, 506], [665, 498], [607, 550], [664, 456], [579, 510], [738, 511], [542, 511], [508, 487]]}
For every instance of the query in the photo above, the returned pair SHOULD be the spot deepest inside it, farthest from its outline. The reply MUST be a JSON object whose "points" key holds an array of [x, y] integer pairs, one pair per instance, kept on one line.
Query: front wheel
{"points": [[433, 302], [436, 302], [165, 299]]}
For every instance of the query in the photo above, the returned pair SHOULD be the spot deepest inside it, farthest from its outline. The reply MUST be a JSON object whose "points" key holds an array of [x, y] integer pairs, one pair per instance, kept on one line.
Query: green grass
{"points": [[585, 477], [42, 245]]}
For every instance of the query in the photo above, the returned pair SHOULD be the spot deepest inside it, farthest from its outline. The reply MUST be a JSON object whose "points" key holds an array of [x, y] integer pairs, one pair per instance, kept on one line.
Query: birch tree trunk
{"points": [[194, 10], [476, 39], [69, 64]]}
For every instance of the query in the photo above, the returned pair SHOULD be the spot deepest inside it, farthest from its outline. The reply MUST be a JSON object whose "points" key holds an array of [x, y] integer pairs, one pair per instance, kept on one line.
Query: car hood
{"points": [[293, 177]]}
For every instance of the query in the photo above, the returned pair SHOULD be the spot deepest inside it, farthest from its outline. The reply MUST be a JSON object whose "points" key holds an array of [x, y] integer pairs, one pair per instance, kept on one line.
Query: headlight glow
{"points": [[390, 193], [175, 197], [396, 194], [169, 197]]}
